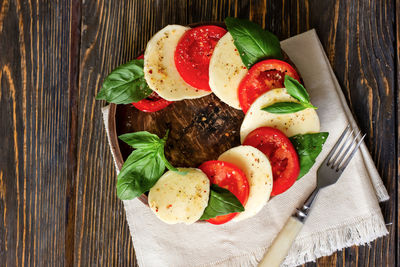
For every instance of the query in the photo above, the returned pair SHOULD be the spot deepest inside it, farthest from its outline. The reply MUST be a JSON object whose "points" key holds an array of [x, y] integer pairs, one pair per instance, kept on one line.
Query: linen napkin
{"points": [[343, 215]]}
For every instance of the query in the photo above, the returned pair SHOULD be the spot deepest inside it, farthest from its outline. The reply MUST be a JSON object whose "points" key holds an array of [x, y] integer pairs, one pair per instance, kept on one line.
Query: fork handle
{"points": [[279, 249]]}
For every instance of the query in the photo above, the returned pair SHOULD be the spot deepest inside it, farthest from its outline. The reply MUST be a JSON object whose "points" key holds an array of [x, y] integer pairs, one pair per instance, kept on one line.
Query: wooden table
{"points": [[58, 205]]}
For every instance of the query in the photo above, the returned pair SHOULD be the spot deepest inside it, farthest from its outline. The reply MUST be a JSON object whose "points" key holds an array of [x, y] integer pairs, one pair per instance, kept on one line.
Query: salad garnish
{"points": [[125, 84], [308, 147], [297, 91], [144, 166], [252, 41], [221, 202]]}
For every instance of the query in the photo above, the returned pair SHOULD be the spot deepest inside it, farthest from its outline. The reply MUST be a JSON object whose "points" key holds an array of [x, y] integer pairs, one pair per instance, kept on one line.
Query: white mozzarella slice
{"points": [[159, 66], [226, 71], [305, 121], [177, 198], [257, 169]]}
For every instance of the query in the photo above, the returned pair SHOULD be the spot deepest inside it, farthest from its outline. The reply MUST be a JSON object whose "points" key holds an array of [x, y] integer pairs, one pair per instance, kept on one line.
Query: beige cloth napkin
{"points": [[343, 215]]}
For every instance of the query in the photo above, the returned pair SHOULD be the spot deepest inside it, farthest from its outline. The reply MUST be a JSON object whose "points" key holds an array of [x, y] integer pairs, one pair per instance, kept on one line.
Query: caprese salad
{"points": [[243, 66]]}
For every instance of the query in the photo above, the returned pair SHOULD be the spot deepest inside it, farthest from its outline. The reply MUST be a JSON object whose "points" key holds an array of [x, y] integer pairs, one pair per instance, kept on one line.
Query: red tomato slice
{"points": [[262, 77], [228, 176], [281, 154], [193, 54], [153, 102]]}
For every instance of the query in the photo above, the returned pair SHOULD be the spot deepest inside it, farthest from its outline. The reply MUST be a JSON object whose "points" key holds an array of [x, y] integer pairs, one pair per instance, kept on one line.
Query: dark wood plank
{"points": [[34, 117], [73, 75], [396, 224]]}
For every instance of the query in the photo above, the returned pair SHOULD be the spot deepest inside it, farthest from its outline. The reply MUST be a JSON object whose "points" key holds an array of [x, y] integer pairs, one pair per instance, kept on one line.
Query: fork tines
{"points": [[342, 152]]}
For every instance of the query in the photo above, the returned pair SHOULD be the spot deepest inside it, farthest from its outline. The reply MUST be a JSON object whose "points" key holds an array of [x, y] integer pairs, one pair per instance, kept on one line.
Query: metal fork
{"points": [[328, 173]]}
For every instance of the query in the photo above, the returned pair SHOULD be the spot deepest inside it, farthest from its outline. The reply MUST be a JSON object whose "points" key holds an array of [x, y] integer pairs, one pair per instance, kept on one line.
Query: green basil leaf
{"points": [[144, 166], [144, 140], [140, 171], [125, 84], [221, 202], [128, 187], [308, 147], [252, 41], [297, 90], [284, 108]]}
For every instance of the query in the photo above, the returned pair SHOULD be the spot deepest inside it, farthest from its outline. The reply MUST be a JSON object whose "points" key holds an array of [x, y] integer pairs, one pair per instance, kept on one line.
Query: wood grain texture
{"points": [[34, 118], [396, 225], [57, 181]]}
